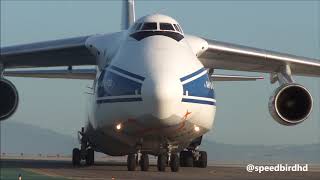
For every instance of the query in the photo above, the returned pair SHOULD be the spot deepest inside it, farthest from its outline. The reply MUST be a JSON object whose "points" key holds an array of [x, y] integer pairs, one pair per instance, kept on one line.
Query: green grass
{"points": [[13, 173]]}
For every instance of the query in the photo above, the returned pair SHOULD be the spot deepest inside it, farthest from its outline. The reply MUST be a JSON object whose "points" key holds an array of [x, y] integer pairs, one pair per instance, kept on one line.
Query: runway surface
{"points": [[62, 169]]}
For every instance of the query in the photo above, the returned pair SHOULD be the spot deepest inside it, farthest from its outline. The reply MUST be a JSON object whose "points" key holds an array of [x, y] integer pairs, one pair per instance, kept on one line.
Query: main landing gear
{"points": [[193, 159], [84, 153]]}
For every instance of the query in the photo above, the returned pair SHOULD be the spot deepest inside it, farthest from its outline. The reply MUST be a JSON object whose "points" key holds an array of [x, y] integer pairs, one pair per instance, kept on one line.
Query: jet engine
{"points": [[8, 99], [290, 104]]}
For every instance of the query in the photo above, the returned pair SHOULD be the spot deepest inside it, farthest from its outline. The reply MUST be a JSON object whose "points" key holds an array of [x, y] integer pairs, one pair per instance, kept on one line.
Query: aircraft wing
{"points": [[223, 77], [64, 52], [89, 74], [221, 55]]}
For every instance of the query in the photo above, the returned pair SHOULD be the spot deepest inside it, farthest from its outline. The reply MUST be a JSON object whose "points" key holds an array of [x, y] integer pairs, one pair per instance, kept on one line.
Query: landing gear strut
{"points": [[84, 153]]}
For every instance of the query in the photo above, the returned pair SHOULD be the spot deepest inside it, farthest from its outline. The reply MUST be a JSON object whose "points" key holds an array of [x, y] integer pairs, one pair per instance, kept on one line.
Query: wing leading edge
{"points": [[221, 55], [89, 74], [64, 52]]}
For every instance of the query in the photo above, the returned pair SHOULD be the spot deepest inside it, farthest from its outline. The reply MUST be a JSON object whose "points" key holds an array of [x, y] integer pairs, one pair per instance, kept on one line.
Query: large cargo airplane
{"points": [[152, 91]]}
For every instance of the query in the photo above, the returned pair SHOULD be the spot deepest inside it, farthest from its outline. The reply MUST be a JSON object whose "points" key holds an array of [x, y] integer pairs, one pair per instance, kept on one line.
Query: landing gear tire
{"points": [[202, 163], [144, 162], [162, 162], [131, 162], [182, 158], [76, 157], [174, 163], [188, 159], [90, 157]]}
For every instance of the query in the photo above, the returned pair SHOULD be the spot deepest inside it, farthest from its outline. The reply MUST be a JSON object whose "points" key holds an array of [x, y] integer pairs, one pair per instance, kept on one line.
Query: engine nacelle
{"points": [[290, 104], [9, 99]]}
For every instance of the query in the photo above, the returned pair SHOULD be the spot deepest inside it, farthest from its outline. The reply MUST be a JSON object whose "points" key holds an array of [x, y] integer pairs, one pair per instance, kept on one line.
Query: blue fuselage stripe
{"points": [[127, 73], [118, 100], [191, 75], [198, 101]]}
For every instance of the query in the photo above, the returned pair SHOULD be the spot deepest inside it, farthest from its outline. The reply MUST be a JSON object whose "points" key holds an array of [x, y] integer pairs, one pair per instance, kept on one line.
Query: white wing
{"points": [[89, 74], [224, 77], [64, 52], [221, 55]]}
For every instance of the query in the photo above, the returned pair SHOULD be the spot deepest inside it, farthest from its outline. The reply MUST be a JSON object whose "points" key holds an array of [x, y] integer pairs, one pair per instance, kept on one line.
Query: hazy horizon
{"points": [[36, 142]]}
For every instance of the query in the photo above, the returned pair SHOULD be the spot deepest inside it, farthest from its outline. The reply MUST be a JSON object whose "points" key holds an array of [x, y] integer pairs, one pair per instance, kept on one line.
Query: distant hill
{"points": [[18, 137], [24, 138]]}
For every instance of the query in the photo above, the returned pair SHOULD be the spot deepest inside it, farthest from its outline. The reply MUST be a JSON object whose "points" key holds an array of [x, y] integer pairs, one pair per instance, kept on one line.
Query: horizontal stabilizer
{"points": [[62, 74], [222, 77]]}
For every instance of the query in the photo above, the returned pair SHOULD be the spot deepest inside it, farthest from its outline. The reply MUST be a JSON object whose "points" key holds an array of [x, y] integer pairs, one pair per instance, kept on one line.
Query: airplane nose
{"points": [[162, 96]]}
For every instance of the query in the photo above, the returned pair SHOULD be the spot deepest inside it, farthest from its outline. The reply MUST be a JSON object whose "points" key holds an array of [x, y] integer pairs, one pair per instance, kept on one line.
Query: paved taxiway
{"points": [[118, 170]]}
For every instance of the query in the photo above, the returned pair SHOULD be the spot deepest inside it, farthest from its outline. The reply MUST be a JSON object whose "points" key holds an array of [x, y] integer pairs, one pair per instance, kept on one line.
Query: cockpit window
{"points": [[180, 28], [138, 26], [149, 26], [147, 29], [166, 26], [177, 27]]}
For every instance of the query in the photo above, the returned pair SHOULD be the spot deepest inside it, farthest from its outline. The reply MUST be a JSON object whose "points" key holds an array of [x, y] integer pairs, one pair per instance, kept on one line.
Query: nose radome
{"points": [[162, 96]]}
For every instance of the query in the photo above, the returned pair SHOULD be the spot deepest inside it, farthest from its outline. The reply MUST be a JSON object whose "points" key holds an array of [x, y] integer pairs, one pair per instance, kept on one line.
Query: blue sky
{"points": [[242, 116]]}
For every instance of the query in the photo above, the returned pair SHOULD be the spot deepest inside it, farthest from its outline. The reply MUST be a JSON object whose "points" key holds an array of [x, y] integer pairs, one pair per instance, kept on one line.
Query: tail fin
{"points": [[128, 14]]}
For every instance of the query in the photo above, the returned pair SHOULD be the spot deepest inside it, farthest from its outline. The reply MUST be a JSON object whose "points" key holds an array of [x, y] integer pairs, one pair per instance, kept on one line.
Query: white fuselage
{"points": [[155, 90]]}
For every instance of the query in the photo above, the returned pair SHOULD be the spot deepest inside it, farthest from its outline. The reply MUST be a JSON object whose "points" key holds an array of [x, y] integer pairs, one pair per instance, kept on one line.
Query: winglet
{"points": [[128, 14]]}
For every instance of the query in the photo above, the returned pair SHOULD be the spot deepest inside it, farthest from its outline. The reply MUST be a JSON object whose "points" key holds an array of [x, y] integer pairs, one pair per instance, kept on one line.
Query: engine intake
{"points": [[290, 104], [9, 99]]}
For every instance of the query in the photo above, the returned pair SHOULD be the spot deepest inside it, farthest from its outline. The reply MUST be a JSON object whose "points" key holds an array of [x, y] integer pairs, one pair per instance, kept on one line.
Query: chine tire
{"points": [[144, 162], [174, 163], [188, 159], [76, 157], [90, 157], [162, 162], [182, 158], [202, 159], [131, 162]]}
